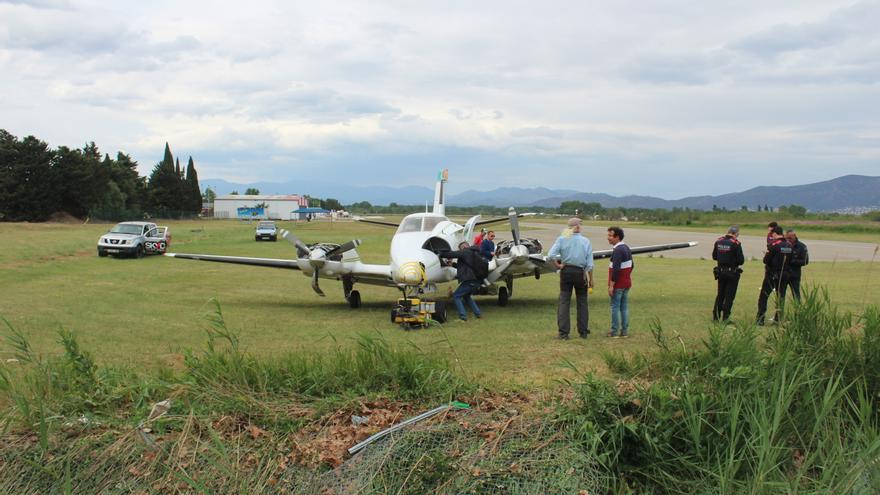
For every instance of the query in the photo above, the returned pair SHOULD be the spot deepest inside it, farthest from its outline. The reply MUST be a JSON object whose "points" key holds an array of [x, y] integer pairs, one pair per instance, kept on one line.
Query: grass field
{"points": [[146, 312]]}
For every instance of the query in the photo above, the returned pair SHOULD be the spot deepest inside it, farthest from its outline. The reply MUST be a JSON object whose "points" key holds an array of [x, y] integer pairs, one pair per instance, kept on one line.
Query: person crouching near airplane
{"points": [[467, 257], [575, 272], [776, 271], [799, 258], [729, 255], [619, 282]]}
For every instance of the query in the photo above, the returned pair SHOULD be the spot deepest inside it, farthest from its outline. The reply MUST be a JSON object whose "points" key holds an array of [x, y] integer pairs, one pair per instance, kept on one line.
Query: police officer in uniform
{"points": [[729, 255], [776, 272], [799, 257]]}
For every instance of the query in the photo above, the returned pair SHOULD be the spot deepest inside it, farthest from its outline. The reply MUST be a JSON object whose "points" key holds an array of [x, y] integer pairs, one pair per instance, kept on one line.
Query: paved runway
{"points": [[753, 246]]}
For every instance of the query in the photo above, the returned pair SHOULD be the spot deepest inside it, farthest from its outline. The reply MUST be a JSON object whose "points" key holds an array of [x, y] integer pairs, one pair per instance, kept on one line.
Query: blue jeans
{"points": [[464, 291], [620, 311]]}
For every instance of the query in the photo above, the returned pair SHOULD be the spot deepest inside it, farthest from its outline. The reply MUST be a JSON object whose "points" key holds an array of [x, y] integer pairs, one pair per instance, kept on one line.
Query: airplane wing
{"points": [[240, 260], [375, 222], [359, 272], [501, 219], [521, 264]]}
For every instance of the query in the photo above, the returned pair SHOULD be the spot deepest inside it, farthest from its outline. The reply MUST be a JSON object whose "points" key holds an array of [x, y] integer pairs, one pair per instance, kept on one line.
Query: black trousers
{"points": [[572, 277], [728, 282], [794, 281], [772, 281]]}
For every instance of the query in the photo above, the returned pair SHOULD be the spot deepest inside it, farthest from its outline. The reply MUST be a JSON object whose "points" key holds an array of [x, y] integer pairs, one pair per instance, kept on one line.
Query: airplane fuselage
{"points": [[414, 248]]}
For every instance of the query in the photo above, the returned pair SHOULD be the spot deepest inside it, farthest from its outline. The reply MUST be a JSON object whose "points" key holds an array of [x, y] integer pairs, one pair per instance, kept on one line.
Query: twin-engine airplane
{"points": [[415, 267]]}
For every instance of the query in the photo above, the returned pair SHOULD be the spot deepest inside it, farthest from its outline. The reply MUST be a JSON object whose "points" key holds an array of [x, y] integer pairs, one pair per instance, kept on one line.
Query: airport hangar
{"points": [[246, 206]]}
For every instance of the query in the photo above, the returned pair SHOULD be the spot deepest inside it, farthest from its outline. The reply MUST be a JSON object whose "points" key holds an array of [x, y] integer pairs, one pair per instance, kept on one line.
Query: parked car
{"points": [[134, 239], [266, 231]]}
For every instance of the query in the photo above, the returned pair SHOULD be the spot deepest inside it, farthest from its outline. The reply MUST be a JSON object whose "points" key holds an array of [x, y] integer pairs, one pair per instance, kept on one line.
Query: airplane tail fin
{"points": [[439, 193]]}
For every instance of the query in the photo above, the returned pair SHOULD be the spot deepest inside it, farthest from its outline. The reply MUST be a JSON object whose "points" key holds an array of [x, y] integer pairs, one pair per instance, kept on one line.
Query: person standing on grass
{"points": [[478, 239], [729, 254], [770, 228], [776, 271], [468, 283], [575, 272], [799, 258], [619, 283], [487, 247]]}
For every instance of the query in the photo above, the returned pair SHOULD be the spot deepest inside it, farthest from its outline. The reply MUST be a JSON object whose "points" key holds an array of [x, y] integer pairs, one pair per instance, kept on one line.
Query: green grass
{"points": [[144, 313]]}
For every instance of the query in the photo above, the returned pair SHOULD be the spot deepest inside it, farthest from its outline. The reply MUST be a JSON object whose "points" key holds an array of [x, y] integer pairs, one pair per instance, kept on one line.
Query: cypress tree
{"points": [[193, 192], [165, 183]]}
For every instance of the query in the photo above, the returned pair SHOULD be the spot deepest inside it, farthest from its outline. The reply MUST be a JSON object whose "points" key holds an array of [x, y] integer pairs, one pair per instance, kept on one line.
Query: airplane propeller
{"points": [[514, 225], [317, 256], [301, 249]]}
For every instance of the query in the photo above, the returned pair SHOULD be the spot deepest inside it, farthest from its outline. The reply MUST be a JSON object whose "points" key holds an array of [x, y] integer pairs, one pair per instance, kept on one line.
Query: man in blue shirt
{"points": [[575, 266], [487, 247]]}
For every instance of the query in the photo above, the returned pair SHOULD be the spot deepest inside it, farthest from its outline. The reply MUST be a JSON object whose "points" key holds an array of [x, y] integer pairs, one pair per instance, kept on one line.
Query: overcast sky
{"points": [[668, 98]]}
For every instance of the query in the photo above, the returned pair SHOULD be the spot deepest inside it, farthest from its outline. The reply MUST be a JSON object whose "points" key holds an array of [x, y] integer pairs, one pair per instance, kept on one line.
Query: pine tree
{"points": [[193, 192]]}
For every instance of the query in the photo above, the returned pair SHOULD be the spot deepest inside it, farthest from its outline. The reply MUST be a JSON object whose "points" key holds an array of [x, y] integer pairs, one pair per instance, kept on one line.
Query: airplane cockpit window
{"points": [[431, 222], [411, 224]]}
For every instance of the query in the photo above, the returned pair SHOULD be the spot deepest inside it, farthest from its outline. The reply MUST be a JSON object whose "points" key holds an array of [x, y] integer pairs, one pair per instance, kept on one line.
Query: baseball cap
{"points": [[733, 229], [574, 222]]}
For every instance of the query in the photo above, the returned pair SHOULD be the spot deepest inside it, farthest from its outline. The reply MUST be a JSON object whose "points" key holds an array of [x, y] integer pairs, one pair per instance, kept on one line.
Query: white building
{"points": [[275, 206]]}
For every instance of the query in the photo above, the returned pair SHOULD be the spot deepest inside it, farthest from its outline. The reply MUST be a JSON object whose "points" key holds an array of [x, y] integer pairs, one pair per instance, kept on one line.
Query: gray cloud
{"points": [[542, 131], [323, 106]]}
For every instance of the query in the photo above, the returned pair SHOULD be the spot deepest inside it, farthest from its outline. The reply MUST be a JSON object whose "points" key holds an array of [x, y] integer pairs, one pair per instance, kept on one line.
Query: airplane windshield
{"points": [[431, 222], [411, 224]]}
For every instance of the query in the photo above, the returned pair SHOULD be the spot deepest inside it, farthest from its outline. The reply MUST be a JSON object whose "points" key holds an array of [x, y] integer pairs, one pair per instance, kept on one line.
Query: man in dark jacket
{"points": [[467, 257], [729, 255], [776, 271], [799, 258]]}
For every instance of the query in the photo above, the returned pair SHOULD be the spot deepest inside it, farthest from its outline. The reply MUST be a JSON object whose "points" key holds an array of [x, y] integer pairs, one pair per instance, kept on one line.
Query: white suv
{"points": [[134, 239]]}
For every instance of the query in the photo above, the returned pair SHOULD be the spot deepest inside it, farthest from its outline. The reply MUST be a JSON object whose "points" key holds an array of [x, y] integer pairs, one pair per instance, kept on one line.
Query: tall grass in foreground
{"points": [[68, 425], [789, 409]]}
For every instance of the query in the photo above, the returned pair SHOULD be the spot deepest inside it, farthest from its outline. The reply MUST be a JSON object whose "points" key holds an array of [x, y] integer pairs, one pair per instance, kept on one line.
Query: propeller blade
{"points": [[301, 249], [315, 286], [514, 225], [342, 248]]}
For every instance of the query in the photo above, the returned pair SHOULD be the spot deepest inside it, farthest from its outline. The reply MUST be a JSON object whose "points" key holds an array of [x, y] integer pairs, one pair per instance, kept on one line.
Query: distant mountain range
{"points": [[850, 192]]}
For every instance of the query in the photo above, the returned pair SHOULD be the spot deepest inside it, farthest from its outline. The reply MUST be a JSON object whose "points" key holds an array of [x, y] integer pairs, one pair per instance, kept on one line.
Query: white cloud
{"points": [[498, 89]]}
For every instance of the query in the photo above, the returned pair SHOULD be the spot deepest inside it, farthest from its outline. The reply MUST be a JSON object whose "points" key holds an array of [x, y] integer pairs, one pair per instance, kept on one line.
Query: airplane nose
{"points": [[412, 273]]}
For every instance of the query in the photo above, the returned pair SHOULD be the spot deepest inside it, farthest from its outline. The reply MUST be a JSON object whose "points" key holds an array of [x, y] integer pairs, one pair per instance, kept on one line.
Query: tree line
{"points": [[593, 210], [37, 182]]}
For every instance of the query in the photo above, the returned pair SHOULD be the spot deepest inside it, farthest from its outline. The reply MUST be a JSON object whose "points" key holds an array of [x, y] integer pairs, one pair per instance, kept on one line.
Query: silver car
{"points": [[266, 231]]}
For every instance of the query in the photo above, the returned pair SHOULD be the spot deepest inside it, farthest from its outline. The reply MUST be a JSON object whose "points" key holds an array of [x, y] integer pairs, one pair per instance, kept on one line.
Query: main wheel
{"points": [[393, 314], [439, 312], [139, 252], [503, 296], [102, 253], [354, 299]]}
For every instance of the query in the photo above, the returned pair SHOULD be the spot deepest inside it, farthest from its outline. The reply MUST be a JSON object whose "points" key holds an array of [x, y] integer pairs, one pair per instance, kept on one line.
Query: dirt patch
{"points": [[65, 218]]}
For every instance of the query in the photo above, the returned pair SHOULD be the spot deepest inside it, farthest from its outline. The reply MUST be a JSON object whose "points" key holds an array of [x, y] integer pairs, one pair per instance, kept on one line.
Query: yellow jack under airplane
{"points": [[415, 267]]}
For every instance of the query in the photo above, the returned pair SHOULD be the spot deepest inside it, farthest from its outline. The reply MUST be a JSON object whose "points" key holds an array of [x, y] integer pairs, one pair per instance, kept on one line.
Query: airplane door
{"points": [[469, 228]]}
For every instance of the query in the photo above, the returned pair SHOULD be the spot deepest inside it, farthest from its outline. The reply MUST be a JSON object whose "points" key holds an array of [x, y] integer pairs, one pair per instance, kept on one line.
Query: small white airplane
{"points": [[415, 267]]}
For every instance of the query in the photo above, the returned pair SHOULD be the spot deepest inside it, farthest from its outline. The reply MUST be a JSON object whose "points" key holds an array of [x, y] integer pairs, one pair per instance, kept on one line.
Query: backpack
{"points": [[479, 265]]}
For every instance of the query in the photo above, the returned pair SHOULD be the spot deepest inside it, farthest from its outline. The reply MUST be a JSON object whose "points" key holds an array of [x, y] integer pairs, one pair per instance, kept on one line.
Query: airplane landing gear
{"points": [[352, 296], [503, 296], [354, 299]]}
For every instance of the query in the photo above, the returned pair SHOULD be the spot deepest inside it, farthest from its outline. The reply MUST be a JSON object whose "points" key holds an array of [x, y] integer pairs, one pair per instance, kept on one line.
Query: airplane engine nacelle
{"points": [[534, 246]]}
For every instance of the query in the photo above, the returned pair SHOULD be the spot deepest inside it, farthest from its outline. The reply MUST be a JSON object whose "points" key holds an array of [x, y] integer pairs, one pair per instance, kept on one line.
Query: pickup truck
{"points": [[134, 239]]}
